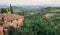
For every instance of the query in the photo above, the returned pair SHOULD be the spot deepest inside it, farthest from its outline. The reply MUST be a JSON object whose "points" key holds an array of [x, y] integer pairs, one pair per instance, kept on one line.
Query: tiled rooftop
{"points": [[8, 17]]}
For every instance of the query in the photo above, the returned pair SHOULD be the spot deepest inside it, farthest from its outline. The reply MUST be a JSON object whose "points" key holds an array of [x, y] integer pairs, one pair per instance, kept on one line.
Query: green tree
{"points": [[3, 10], [11, 30], [11, 9]]}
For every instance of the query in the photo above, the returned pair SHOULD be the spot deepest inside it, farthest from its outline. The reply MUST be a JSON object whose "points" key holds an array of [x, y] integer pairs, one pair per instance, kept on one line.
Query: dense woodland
{"points": [[35, 23]]}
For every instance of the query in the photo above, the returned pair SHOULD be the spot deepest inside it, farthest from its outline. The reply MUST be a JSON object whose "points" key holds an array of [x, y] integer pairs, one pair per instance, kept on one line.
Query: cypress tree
{"points": [[11, 9]]}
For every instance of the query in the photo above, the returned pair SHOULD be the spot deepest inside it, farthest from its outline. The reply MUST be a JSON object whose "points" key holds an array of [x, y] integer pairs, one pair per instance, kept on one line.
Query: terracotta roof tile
{"points": [[9, 17]]}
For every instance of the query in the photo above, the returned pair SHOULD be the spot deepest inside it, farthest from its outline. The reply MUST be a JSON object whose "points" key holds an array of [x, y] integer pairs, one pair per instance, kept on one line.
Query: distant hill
{"points": [[18, 9], [31, 6]]}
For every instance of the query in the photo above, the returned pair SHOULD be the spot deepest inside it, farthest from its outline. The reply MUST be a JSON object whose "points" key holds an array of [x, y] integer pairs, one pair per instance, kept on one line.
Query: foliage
{"points": [[36, 26], [11, 30], [3, 10]]}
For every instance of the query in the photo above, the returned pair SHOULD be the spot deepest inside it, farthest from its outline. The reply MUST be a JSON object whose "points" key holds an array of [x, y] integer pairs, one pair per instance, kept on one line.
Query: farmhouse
{"points": [[48, 15]]}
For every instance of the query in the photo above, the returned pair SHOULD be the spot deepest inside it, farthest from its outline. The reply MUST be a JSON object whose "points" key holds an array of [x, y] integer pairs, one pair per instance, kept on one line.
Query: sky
{"points": [[29, 2]]}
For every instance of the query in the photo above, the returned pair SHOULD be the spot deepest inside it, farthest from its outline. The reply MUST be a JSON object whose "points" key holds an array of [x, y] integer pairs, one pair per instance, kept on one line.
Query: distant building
{"points": [[48, 15]]}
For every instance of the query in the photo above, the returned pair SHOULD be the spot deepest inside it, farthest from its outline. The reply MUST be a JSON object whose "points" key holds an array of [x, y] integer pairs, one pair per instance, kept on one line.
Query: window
{"points": [[1, 24], [11, 21]]}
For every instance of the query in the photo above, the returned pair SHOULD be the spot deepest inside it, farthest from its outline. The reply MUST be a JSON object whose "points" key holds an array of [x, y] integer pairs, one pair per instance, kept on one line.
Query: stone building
{"points": [[7, 19]]}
